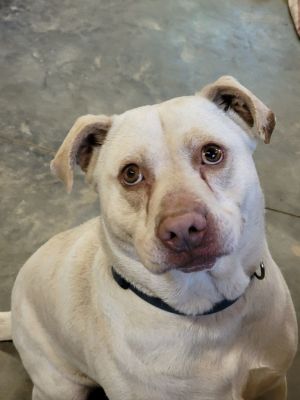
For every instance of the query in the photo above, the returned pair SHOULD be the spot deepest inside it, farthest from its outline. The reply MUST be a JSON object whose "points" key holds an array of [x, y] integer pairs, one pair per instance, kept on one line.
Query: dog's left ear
{"points": [[229, 95], [79, 147]]}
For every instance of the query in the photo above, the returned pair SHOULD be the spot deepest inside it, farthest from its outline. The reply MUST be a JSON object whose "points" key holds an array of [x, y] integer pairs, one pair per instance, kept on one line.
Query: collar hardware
{"points": [[262, 274]]}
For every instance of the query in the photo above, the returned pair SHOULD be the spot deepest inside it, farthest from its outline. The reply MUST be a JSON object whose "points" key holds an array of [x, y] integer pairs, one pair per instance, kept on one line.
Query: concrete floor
{"points": [[64, 58]]}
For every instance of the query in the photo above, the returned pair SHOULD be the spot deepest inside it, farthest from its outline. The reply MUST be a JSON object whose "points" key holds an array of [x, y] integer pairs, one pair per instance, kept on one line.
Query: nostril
{"points": [[182, 232], [193, 229], [172, 235]]}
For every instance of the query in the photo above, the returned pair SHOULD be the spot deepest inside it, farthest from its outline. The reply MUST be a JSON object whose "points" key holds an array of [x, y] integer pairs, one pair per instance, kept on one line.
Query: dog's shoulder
{"points": [[88, 231], [90, 227], [59, 262], [66, 249]]}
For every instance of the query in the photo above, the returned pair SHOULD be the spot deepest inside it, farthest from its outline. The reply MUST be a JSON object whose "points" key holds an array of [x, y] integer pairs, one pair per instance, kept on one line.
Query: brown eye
{"points": [[132, 175], [212, 154]]}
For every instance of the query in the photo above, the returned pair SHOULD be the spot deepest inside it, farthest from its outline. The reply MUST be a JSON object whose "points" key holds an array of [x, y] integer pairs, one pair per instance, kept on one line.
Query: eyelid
{"points": [[140, 179], [130, 161], [196, 154], [214, 145], [121, 177]]}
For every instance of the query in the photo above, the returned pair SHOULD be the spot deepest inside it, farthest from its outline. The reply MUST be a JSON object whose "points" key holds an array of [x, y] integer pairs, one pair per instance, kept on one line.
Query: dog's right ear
{"points": [[88, 133]]}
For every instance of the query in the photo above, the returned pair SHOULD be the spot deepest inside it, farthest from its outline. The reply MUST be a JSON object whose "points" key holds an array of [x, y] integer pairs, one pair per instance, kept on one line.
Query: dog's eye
{"points": [[132, 175], [212, 154]]}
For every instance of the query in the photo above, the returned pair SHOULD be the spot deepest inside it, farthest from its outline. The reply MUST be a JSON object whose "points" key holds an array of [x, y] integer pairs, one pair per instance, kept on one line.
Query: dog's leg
{"points": [[55, 382], [264, 386], [277, 392], [60, 392]]}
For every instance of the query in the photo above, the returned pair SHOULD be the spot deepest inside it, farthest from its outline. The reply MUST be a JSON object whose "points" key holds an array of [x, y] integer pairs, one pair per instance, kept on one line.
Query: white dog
{"points": [[163, 297]]}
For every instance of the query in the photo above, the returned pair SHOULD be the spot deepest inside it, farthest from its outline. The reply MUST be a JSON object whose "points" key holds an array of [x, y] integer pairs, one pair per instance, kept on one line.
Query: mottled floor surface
{"points": [[64, 58]]}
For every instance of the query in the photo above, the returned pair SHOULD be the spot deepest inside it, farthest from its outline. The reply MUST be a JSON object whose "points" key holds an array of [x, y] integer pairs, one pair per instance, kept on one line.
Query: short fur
{"points": [[75, 328]]}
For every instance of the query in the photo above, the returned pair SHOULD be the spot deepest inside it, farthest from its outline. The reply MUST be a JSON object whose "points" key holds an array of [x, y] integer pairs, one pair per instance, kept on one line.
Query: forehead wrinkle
{"points": [[182, 115], [140, 156], [138, 136], [196, 137]]}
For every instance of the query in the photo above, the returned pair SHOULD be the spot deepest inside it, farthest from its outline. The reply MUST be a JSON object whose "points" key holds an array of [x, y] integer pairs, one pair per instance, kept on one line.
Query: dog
{"points": [[172, 293]]}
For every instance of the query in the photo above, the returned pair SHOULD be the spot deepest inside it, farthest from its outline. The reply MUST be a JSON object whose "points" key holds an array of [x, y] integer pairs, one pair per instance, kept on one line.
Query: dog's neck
{"points": [[196, 292]]}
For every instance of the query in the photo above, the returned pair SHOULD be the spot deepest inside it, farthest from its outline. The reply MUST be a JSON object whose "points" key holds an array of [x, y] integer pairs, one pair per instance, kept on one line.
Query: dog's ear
{"points": [[79, 146], [229, 95]]}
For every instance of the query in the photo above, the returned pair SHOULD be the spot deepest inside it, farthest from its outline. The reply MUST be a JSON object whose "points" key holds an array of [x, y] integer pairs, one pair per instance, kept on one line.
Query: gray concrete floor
{"points": [[64, 58]]}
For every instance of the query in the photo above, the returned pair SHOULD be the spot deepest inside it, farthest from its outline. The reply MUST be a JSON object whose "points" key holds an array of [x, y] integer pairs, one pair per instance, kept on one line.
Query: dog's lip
{"points": [[200, 259], [195, 265]]}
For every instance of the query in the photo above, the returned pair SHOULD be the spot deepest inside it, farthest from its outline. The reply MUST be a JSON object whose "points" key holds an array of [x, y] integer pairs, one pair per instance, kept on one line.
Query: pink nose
{"points": [[182, 232]]}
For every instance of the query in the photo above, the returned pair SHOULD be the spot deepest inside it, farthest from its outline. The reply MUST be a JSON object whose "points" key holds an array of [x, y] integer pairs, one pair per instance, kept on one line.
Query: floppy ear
{"points": [[229, 95], [88, 133]]}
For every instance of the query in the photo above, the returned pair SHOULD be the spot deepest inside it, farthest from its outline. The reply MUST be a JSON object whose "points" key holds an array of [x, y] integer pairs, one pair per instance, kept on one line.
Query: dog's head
{"points": [[177, 184]]}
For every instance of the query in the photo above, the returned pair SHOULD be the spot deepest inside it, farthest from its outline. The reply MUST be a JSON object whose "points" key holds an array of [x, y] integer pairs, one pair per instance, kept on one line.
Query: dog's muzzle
{"points": [[182, 233], [190, 240]]}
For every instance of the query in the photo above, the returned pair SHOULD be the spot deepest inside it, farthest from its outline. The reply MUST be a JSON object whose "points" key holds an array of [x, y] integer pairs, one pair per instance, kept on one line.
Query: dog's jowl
{"points": [[172, 292]]}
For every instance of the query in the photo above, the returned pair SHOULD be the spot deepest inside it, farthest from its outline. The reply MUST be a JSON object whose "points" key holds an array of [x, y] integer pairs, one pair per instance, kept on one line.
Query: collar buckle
{"points": [[262, 274]]}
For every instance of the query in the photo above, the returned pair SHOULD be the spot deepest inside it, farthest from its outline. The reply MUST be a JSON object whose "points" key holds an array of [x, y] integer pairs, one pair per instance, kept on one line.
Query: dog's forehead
{"points": [[159, 129], [175, 117], [197, 117], [142, 122], [181, 114]]}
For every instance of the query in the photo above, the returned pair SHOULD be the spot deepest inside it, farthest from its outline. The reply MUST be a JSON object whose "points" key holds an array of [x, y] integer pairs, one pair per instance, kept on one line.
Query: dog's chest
{"points": [[174, 360]]}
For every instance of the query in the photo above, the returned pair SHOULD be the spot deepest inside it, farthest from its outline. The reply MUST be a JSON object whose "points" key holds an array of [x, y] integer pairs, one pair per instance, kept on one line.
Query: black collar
{"points": [[159, 303]]}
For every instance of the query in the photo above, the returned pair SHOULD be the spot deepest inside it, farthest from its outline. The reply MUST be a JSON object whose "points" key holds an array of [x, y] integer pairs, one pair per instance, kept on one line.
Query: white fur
{"points": [[75, 327]]}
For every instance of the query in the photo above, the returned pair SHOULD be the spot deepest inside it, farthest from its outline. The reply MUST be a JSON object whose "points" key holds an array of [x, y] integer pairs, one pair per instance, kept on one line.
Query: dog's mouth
{"points": [[198, 265], [185, 262], [188, 262], [159, 258]]}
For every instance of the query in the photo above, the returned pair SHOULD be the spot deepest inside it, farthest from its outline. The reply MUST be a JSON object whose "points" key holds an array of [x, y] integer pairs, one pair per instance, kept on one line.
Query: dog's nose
{"points": [[182, 232]]}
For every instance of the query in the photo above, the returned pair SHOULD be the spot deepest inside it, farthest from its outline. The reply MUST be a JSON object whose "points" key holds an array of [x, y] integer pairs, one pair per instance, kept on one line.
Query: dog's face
{"points": [[177, 184], [172, 184]]}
